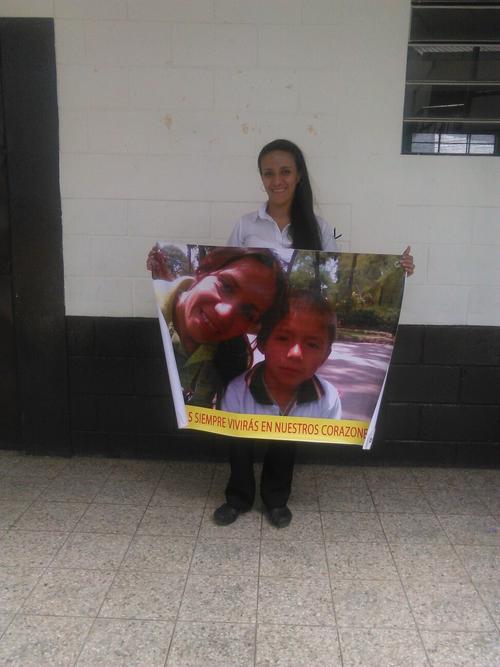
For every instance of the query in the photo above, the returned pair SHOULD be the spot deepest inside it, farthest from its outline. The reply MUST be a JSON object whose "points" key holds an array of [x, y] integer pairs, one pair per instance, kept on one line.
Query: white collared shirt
{"points": [[259, 230], [240, 398]]}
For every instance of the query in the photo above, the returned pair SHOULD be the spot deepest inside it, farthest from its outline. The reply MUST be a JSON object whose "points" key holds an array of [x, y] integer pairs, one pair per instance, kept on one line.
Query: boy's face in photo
{"points": [[296, 348]]}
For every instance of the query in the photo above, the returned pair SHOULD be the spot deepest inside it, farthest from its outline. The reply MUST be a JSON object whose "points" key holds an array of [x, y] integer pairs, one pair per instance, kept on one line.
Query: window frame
{"points": [[464, 87]]}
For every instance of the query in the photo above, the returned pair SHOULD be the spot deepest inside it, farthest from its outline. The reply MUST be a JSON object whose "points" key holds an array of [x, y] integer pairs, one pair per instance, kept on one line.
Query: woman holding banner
{"points": [[286, 220]]}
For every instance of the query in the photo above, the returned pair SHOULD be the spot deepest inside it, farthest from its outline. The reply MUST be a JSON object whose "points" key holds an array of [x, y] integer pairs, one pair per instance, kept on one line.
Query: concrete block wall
{"points": [[440, 404], [164, 104]]}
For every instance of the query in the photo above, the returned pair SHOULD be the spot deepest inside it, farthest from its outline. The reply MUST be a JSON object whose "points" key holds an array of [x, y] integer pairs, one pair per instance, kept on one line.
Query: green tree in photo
{"points": [[177, 260], [366, 290], [311, 269]]}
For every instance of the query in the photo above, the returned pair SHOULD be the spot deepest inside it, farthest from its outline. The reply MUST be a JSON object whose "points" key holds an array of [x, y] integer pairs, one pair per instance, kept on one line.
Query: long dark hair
{"points": [[218, 257], [304, 228]]}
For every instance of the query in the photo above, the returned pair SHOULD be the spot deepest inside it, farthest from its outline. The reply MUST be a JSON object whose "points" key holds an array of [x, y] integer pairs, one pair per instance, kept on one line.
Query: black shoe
{"points": [[280, 517], [225, 515]]}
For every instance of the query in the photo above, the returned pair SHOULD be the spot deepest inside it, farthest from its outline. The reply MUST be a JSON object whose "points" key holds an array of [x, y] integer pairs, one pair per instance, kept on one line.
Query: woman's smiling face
{"points": [[225, 303], [279, 176]]}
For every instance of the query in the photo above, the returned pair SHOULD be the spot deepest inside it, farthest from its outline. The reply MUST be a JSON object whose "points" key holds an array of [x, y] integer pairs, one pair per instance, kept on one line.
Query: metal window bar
{"points": [[489, 43]]}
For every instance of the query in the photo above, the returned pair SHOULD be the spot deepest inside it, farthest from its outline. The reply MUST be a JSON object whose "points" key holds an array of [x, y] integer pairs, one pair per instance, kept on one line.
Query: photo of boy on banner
{"points": [[284, 343], [295, 344]]}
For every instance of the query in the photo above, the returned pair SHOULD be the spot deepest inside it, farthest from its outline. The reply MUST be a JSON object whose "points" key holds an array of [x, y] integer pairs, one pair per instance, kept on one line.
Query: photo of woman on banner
{"points": [[295, 343], [303, 321], [209, 313]]}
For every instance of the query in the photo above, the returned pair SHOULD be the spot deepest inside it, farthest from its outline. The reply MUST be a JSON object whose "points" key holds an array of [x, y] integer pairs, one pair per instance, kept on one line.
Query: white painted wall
{"points": [[164, 105]]}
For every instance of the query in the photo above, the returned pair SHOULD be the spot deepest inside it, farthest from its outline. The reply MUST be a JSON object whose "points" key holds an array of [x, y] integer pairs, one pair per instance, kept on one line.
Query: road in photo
{"points": [[357, 370]]}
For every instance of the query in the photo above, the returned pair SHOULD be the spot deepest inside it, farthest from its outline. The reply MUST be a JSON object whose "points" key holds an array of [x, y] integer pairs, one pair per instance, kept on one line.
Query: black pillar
{"points": [[32, 280]]}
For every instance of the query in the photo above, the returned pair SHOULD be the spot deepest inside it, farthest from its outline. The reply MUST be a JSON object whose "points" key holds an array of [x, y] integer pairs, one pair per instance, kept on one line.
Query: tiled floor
{"points": [[118, 563]]}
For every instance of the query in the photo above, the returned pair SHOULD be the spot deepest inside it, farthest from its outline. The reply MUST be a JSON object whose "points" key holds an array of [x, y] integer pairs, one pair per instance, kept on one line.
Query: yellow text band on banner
{"points": [[305, 429]]}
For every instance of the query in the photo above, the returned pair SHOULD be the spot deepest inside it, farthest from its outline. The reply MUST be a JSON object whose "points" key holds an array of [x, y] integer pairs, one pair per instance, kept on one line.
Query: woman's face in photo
{"points": [[279, 176], [228, 302]]}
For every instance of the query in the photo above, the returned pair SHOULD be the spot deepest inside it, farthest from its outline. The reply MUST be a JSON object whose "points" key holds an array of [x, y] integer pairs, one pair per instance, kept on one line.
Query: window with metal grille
{"points": [[452, 96]]}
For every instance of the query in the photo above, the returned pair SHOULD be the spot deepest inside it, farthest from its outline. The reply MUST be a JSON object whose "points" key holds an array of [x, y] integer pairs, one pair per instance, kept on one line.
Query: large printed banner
{"points": [[277, 344]]}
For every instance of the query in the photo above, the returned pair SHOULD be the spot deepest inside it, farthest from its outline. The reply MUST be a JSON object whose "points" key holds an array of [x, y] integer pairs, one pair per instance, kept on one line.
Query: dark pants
{"points": [[276, 479]]}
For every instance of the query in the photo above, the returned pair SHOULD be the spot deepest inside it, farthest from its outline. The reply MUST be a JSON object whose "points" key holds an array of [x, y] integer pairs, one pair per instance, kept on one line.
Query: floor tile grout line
{"points": [[436, 516], [177, 620], [331, 590], [405, 592], [467, 491], [490, 614], [116, 573], [81, 477], [378, 514], [151, 619], [30, 503], [258, 592], [74, 531], [19, 612], [473, 584], [204, 515], [453, 544]]}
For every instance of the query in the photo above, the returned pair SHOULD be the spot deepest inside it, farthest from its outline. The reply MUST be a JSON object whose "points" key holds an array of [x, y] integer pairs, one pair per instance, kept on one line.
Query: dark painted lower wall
{"points": [[441, 404]]}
